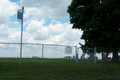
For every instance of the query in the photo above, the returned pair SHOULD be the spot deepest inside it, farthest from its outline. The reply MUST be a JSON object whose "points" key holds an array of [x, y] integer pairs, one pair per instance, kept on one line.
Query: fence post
{"points": [[95, 55], [42, 51], [78, 53], [76, 60]]}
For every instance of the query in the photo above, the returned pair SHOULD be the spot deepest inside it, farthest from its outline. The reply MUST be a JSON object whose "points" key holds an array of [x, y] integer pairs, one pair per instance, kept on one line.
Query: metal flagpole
{"points": [[21, 34], [20, 18]]}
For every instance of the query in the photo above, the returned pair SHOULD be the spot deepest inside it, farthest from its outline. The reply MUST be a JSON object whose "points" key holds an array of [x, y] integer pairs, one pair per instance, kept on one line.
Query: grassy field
{"points": [[57, 69]]}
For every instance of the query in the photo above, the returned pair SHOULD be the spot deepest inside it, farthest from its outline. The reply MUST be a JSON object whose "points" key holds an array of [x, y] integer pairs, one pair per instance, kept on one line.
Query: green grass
{"points": [[57, 69]]}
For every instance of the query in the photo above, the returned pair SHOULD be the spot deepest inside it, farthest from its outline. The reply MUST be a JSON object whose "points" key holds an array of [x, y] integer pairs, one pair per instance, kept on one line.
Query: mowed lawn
{"points": [[57, 69]]}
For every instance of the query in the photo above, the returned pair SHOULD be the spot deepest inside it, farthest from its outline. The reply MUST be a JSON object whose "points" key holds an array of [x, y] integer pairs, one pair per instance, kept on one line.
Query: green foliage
{"points": [[99, 22]]}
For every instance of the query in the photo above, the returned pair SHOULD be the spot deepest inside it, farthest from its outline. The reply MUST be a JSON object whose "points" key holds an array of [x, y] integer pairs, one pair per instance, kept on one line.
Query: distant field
{"points": [[57, 69]]}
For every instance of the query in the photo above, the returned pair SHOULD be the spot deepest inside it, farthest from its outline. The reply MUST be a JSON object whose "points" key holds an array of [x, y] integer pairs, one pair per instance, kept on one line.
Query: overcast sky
{"points": [[45, 22]]}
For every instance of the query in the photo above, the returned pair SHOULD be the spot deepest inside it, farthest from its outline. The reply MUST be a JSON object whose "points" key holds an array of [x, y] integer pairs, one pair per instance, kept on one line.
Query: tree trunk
{"points": [[115, 57]]}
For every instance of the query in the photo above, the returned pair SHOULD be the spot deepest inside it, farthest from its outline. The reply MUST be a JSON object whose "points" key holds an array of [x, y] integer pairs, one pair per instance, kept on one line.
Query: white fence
{"points": [[35, 50]]}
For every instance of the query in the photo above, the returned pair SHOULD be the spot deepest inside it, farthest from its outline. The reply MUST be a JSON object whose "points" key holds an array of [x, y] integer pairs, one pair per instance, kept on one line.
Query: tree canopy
{"points": [[100, 22]]}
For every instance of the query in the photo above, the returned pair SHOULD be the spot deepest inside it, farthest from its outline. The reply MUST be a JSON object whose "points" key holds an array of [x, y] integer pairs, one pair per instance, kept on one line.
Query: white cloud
{"points": [[38, 9], [9, 34], [55, 33], [7, 9], [34, 26], [3, 31], [56, 27]]}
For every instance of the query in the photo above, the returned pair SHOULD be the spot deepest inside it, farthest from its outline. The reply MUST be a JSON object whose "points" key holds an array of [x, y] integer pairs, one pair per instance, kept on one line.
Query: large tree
{"points": [[100, 22]]}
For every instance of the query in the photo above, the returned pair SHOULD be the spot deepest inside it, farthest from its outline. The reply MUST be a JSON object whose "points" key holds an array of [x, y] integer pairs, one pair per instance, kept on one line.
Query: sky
{"points": [[44, 22]]}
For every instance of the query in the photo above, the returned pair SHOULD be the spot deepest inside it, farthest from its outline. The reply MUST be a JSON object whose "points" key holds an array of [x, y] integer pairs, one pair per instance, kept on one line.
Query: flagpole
{"points": [[21, 34]]}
